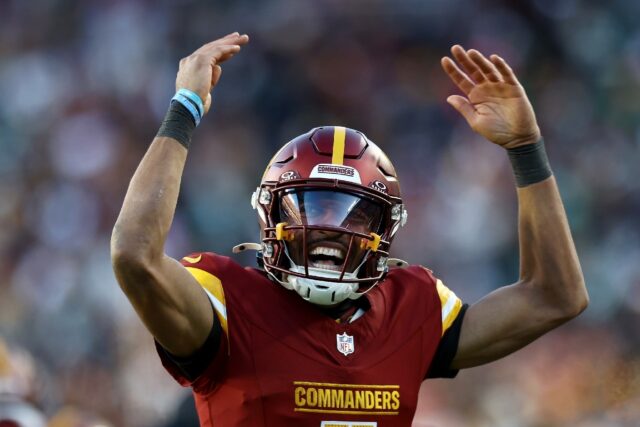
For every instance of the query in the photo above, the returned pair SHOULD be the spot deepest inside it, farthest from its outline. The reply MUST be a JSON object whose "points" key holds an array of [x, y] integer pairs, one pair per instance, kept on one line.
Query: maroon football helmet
{"points": [[329, 206]]}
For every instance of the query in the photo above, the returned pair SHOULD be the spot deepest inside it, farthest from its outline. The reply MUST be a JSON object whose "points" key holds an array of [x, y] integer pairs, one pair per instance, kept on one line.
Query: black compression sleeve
{"points": [[530, 163], [441, 364], [178, 124]]}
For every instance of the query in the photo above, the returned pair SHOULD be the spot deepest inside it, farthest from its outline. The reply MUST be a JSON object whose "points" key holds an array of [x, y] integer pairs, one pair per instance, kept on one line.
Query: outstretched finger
{"points": [[488, 69], [212, 57], [233, 38], [218, 54], [457, 75], [507, 73], [223, 53], [467, 64]]}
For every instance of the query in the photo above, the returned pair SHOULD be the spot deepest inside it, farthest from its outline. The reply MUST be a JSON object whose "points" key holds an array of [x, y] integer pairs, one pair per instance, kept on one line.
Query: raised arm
{"points": [[551, 288], [167, 298]]}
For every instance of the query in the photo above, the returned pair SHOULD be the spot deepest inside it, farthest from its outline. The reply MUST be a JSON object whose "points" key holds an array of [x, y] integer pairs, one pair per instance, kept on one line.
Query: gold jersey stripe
{"points": [[339, 135], [443, 292], [453, 314], [213, 287], [450, 305], [338, 411], [313, 384]]}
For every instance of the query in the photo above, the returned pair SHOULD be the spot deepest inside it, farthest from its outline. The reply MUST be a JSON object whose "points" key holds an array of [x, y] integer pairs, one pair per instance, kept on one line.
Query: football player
{"points": [[330, 330]]}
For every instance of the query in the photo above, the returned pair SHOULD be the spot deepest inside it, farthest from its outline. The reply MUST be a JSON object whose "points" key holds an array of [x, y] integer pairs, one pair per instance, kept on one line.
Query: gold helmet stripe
{"points": [[339, 134]]}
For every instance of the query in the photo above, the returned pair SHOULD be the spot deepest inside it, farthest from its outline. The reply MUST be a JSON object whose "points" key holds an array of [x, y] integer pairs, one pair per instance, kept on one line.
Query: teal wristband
{"points": [[189, 106], [193, 97]]}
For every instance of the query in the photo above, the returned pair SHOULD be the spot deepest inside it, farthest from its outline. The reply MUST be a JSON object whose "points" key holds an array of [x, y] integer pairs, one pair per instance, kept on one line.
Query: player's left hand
{"points": [[495, 104]]}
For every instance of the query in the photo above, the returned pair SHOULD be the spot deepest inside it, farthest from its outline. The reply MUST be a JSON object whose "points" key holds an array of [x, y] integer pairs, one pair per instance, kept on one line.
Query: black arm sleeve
{"points": [[193, 366], [441, 364]]}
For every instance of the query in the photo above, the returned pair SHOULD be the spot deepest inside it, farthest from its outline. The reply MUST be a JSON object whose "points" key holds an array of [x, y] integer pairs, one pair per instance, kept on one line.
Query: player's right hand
{"points": [[200, 71]]}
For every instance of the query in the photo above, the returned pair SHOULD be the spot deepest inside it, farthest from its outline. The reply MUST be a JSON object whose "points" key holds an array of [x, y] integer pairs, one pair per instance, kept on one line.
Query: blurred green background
{"points": [[85, 84]]}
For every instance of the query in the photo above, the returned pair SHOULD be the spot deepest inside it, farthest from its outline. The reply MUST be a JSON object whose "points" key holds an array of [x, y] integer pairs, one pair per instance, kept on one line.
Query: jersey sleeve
{"points": [[452, 312], [201, 269], [447, 348], [450, 306], [201, 370]]}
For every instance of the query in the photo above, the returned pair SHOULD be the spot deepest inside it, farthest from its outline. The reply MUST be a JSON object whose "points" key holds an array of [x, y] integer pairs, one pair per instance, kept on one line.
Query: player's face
{"points": [[328, 249]]}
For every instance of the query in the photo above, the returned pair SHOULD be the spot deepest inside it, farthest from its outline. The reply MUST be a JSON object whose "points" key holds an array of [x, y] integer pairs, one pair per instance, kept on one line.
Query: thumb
{"points": [[215, 75], [207, 103], [463, 106]]}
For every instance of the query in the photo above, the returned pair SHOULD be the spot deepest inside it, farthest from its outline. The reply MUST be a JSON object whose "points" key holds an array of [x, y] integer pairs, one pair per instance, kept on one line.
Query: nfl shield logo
{"points": [[345, 344]]}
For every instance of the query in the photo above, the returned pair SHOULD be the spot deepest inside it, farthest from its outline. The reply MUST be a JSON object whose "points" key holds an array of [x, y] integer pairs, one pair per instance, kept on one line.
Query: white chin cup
{"points": [[321, 292]]}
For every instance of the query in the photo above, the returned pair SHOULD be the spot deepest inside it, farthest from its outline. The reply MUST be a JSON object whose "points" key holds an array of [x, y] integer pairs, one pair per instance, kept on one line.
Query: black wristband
{"points": [[178, 124], [530, 163]]}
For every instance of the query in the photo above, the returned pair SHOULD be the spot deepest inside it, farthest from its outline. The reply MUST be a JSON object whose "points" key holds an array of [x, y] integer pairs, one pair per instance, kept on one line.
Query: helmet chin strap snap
{"points": [[282, 234], [249, 246], [397, 263], [371, 244]]}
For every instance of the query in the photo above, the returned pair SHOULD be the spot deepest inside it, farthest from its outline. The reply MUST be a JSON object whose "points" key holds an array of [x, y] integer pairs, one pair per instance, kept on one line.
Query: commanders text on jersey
{"points": [[347, 398]]}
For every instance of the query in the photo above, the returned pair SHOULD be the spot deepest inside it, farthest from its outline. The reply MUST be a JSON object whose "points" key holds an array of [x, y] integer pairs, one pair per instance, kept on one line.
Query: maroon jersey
{"points": [[286, 363]]}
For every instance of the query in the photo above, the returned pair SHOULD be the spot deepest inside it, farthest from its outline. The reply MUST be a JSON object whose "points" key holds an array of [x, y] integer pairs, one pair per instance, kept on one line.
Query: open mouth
{"points": [[326, 258]]}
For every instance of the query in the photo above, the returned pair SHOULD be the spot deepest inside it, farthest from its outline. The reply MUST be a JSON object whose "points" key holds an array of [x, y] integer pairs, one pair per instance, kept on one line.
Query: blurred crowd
{"points": [[85, 84]]}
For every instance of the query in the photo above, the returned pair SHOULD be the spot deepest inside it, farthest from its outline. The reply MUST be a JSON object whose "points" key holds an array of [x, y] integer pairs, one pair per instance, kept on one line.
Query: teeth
{"points": [[322, 250], [323, 265]]}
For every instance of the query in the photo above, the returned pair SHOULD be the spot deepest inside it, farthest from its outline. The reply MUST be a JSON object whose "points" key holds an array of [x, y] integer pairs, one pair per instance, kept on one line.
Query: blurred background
{"points": [[85, 84]]}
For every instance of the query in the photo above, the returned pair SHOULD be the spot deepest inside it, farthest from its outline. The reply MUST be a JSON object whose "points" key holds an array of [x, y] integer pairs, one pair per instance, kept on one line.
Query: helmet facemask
{"points": [[327, 228], [326, 239]]}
